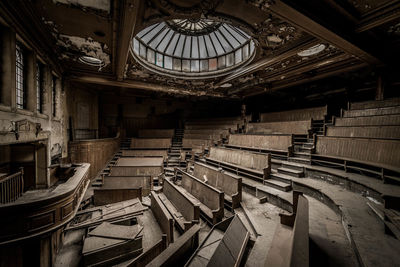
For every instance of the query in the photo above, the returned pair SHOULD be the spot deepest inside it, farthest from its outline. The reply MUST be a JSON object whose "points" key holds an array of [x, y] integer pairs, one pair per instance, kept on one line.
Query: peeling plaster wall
{"points": [[103, 5], [87, 46]]}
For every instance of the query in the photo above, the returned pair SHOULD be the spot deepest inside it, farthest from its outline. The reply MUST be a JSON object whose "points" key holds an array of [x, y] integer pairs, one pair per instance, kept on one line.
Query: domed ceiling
{"points": [[230, 48]]}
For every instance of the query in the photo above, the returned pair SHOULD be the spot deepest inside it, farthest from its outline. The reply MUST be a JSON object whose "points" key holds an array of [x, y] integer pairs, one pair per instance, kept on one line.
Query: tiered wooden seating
{"points": [[317, 113], [221, 132], [231, 185], [156, 133], [290, 245], [224, 245], [145, 166], [378, 132], [254, 165], [163, 217], [144, 153], [184, 210], [278, 145], [364, 139], [211, 199], [194, 143], [284, 127], [151, 143], [178, 252]]}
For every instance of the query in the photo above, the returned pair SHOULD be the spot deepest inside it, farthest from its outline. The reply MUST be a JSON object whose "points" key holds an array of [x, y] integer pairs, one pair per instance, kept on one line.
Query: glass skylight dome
{"points": [[192, 48]]}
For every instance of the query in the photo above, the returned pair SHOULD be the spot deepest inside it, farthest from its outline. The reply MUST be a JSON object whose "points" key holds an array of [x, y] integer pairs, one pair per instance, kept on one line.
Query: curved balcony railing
{"points": [[38, 212]]}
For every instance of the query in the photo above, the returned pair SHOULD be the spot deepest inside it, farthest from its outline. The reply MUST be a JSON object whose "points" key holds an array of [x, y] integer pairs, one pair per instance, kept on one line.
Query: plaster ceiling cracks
{"points": [[73, 47], [73, 42]]}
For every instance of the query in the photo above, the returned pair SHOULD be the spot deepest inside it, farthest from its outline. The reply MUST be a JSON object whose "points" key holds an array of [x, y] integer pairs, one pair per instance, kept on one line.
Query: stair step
{"points": [[291, 172], [278, 185], [282, 177], [304, 155], [97, 184], [299, 160], [293, 165]]}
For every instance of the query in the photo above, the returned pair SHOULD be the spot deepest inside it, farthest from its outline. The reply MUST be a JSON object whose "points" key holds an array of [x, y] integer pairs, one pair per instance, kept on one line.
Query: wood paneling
{"points": [[369, 150], [151, 143], [37, 214], [375, 104], [369, 121], [273, 142], [295, 115], [378, 132], [285, 127], [96, 152]]}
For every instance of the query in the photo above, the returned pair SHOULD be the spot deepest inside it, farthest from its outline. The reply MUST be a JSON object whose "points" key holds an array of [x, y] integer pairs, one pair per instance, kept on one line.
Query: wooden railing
{"points": [[12, 187]]}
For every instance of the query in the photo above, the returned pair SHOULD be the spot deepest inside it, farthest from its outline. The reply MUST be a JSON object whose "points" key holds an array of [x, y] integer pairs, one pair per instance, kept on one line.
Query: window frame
{"points": [[20, 76]]}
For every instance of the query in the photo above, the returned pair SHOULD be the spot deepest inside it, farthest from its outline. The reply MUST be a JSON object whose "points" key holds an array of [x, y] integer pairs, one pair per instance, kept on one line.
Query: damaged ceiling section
{"points": [[94, 40]]}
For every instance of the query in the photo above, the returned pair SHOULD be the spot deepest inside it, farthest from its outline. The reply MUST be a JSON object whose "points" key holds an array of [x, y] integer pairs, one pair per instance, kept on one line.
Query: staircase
{"points": [[174, 154], [303, 146], [98, 181], [125, 143]]}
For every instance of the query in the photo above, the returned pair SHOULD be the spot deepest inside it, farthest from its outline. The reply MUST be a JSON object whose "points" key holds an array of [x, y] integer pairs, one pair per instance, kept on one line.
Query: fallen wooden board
{"points": [[119, 211], [115, 231]]}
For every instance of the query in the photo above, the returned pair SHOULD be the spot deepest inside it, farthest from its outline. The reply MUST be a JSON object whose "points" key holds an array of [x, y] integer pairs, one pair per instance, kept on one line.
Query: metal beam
{"points": [[301, 21], [129, 10]]}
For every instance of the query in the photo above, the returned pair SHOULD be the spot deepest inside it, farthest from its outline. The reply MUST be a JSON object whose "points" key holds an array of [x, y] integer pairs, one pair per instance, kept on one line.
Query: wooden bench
{"points": [[145, 182], [370, 111], [138, 166], [254, 165], [377, 132], [184, 210], [214, 137], [189, 143], [178, 252], [389, 214], [230, 127], [229, 184], [163, 217], [145, 153], [111, 192], [284, 127], [290, 245], [211, 199], [317, 113], [280, 142], [374, 156], [221, 132], [156, 133], [151, 143], [368, 121], [224, 245], [375, 104]]}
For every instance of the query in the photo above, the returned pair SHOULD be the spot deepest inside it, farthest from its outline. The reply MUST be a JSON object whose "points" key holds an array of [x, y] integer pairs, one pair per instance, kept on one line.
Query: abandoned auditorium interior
{"points": [[199, 133]]}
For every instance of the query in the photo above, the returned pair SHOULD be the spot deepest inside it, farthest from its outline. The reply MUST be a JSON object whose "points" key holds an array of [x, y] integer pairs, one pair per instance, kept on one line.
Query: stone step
{"points": [[299, 160], [305, 149], [282, 177], [304, 155], [291, 172], [292, 165], [278, 185]]}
